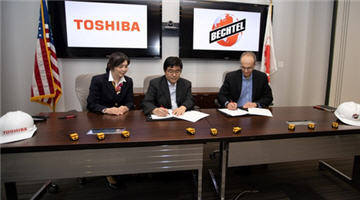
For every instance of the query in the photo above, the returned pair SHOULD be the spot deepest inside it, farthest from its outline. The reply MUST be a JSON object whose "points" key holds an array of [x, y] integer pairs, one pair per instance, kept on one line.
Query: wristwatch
{"points": [[103, 111]]}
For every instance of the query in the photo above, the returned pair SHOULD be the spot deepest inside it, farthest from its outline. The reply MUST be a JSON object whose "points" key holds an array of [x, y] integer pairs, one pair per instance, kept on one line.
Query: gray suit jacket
{"points": [[158, 95]]}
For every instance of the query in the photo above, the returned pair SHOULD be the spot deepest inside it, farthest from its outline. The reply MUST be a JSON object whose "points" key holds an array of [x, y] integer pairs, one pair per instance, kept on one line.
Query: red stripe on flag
{"points": [[46, 65], [57, 82], [53, 54], [39, 84], [54, 68], [267, 58]]}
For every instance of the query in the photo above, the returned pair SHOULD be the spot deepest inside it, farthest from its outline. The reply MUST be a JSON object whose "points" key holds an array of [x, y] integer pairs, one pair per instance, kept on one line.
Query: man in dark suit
{"points": [[246, 87], [169, 91]]}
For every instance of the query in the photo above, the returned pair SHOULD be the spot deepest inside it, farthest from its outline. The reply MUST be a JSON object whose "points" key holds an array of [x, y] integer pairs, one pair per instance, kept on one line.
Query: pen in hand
{"points": [[162, 111], [232, 105]]}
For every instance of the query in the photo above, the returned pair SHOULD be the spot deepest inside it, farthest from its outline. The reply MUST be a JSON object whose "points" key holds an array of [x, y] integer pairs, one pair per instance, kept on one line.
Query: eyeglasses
{"points": [[173, 71], [247, 68]]}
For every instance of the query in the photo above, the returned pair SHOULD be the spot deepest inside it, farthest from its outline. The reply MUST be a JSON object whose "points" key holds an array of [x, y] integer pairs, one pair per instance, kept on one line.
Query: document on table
{"points": [[250, 111], [233, 113], [260, 111], [192, 116], [169, 116]]}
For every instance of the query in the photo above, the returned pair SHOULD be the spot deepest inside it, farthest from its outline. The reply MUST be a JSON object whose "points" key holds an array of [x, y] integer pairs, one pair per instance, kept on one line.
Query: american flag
{"points": [[46, 84]]}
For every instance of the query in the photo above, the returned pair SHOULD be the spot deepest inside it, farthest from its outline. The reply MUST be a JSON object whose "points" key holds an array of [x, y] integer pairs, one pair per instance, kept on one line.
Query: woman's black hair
{"points": [[115, 60]]}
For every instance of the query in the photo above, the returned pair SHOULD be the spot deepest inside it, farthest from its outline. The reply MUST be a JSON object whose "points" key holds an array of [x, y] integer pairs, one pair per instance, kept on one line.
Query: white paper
{"points": [[260, 111], [233, 113], [192, 116], [251, 111], [170, 115]]}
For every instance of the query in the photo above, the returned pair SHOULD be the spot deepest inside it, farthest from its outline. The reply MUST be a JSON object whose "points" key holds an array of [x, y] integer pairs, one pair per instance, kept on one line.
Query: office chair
{"points": [[224, 75], [222, 81], [82, 84], [147, 82]]}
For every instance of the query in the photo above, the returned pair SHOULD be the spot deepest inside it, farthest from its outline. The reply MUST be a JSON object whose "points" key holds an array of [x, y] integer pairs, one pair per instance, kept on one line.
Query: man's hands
{"points": [[250, 105], [233, 105], [116, 110], [163, 112], [179, 111]]}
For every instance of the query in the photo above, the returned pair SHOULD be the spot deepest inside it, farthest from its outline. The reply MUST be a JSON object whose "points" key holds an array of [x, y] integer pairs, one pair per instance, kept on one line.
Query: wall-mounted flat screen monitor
{"points": [[98, 28], [221, 30]]}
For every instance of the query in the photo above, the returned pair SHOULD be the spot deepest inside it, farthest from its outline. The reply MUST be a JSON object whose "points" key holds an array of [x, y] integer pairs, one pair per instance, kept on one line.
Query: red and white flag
{"points": [[46, 84], [268, 62]]}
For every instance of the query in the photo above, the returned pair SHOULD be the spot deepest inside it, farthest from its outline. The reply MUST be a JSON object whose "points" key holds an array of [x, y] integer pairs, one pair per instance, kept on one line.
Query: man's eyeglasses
{"points": [[173, 71], [247, 68]]}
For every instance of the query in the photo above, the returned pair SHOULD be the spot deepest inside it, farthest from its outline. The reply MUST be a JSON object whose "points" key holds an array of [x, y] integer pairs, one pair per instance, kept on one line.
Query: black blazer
{"points": [[231, 88], [102, 94], [158, 95]]}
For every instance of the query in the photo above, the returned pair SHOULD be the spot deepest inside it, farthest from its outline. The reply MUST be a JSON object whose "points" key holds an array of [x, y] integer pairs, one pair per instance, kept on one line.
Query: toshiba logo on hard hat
{"points": [[16, 125]]}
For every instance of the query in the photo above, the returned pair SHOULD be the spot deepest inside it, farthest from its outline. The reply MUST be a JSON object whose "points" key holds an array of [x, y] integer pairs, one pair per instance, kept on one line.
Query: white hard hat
{"points": [[349, 113], [16, 126]]}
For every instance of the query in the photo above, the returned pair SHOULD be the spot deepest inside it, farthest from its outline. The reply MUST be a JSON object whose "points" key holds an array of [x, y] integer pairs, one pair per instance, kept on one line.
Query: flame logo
{"points": [[223, 21]]}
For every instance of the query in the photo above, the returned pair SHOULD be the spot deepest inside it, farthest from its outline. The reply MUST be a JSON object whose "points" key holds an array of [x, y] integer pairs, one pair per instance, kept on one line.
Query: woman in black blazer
{"points": [[112, 92]]}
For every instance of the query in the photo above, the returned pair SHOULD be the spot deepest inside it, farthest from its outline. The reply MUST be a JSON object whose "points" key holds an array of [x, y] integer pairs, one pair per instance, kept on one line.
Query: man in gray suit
{"points": [[169, 91]]}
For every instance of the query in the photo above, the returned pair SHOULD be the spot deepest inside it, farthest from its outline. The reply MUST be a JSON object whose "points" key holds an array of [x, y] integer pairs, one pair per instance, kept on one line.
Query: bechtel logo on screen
{"points": [[105, 25], [226, 30]]}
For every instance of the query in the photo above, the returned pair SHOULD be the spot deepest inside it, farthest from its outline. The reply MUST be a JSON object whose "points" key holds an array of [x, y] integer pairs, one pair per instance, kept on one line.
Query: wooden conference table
{"points": [[152, 147], [164, 146], [267, 139]]}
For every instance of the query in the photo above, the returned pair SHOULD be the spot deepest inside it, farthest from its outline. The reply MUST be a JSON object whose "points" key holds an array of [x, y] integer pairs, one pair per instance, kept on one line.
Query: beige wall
{"points": [[301, 34], [345, 85], [0, 53]]}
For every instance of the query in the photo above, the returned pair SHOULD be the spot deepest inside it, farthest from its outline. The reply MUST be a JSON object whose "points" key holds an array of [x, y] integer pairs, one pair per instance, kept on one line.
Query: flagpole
{"points": [[54, 106]]}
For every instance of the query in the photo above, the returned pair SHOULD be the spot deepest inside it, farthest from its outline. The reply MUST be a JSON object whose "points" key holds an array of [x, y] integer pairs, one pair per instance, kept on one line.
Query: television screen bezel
{"points": [[56, 11], [186, 28]]}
